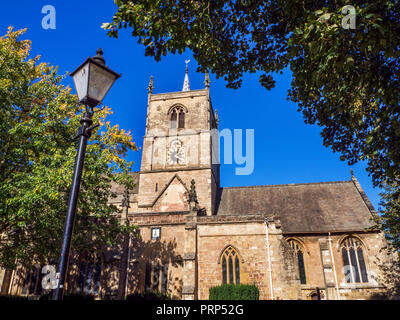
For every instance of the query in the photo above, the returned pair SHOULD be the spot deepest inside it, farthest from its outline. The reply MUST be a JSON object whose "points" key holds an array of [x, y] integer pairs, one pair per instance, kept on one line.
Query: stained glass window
{"points": [[223, 270], [237, 270], [230, 262]]}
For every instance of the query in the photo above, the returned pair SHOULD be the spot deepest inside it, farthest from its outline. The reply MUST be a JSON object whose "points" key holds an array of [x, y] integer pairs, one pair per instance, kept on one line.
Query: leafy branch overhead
{"points": [[38, 119], [344, 80]]}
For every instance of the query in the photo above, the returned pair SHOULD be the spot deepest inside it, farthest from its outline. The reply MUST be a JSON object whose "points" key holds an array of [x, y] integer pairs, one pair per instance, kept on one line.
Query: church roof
{"points": [[303, 208], [119, 189]]}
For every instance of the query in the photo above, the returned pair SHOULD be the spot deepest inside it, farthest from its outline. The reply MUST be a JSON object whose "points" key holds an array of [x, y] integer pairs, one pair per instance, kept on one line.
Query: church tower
{"points": [[177, 148]]}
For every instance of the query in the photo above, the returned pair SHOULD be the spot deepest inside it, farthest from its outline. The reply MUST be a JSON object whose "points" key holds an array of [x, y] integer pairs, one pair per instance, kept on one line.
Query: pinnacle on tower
{"points": [[186, 86], [151, 85], [192, 192], [207, 80]]}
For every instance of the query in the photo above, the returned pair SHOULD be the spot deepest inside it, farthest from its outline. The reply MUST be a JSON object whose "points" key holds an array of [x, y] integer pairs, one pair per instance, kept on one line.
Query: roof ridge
{"points": [[289, 184]]}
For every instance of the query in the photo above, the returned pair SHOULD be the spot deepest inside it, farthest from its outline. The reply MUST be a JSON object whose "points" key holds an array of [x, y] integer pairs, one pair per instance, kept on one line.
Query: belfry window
{"points": [[177, 118], [181, 123], [298, 249], [353, 261], [230, 262]]}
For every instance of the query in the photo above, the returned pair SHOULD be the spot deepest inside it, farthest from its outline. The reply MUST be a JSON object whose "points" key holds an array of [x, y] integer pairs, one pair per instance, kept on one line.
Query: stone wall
{"points": [[320, 270]]}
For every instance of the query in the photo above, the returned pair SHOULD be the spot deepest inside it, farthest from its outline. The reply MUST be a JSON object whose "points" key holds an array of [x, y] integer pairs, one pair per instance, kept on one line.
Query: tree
{"points": [[38, 119], [345, 80], [390, 209]]}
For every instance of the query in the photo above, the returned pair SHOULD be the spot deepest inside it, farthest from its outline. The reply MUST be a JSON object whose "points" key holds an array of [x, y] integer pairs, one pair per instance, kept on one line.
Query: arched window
{"points": [[181, 119], [298, 249], [353, 261], [33, 281], [174, 116], [230, 261], [156, 276], [177, 117], [89, 275]]}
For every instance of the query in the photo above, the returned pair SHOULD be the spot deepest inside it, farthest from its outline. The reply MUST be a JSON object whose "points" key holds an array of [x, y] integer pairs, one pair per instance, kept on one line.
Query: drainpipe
{"points": [[333, 265], [127, 266], [269, 260], [9, 291]]}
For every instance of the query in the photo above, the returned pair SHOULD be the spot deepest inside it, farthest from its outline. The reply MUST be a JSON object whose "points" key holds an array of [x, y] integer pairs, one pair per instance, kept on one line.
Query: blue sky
{"points": [[286, 149]]}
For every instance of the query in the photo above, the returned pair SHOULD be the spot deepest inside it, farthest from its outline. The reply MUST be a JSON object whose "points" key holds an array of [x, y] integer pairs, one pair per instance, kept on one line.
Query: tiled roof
{"points": [[302, 208]]}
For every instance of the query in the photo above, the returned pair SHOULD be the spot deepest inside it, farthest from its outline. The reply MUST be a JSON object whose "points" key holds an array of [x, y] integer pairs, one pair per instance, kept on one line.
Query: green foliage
{"points": [[344, 80], [234, 292], [390, 213], [148, 295], [38, 119]]}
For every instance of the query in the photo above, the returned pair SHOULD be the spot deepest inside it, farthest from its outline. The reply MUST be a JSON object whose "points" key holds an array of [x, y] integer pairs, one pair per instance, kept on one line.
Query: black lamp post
{"points": [[92, 81]]}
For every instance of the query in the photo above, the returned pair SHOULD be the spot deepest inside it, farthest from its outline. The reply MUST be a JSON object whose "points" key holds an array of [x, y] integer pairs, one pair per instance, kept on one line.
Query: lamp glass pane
{"points": [[100, 82], [81, 81]]}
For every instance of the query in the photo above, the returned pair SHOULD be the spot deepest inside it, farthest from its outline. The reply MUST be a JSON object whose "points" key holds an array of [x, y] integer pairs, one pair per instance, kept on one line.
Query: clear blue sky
{"points": [[286, 149]]}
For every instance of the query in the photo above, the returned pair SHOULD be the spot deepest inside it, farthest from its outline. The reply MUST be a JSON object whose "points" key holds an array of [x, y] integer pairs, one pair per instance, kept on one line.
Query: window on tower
{"points": [[173, 119], [181, 119], [177, 117]]}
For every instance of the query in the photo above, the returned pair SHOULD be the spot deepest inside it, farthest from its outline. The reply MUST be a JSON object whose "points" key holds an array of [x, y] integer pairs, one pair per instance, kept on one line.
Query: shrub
{"points": [[9, 297], [234, 292], [69, 296], [148, 295]]}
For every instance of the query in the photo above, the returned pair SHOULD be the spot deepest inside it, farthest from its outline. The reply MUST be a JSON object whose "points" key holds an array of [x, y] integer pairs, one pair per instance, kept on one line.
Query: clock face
{"points": [[176, 153]]}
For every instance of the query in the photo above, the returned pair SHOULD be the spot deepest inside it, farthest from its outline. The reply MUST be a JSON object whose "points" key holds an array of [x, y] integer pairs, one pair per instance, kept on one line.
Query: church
{"points": [[293, 241]]}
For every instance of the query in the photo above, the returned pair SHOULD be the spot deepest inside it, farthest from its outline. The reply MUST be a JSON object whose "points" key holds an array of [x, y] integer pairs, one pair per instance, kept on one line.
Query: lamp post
{"points": [[92, 81]]}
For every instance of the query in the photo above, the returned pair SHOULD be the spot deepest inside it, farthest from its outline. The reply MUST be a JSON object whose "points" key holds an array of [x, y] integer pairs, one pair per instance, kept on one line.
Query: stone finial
{"points": [[192, 192], [186, 86], [216, 117], [125, 199], [352, 173], [151, 85], [207, 80]]}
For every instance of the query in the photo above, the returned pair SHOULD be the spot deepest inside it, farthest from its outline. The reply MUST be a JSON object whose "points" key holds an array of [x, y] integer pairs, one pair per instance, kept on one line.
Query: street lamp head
{"points": [[93, 79]]}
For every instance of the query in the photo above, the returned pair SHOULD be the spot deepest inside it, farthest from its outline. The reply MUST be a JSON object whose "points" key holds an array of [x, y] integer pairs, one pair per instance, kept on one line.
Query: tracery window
{"points": [[89, 276], [353, 261], [177, 117], [156, 276], [230, 262], [33, 281], [299, 251]]}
